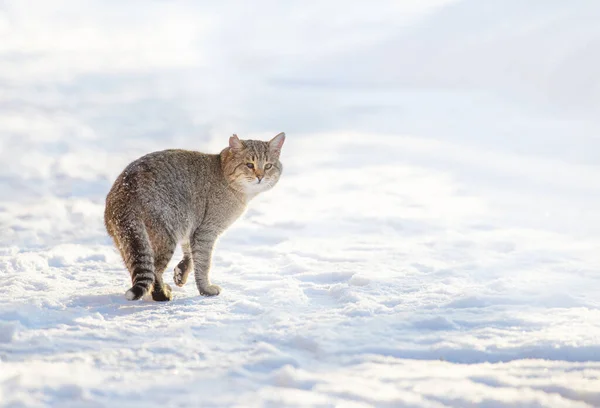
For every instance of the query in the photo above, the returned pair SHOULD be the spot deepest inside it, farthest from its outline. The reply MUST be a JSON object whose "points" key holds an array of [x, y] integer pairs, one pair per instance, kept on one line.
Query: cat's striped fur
{"points": [[187, 197]]}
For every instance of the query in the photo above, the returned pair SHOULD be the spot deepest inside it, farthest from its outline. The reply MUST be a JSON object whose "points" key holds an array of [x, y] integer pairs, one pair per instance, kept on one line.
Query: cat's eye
{"points": [[268, 166], [250, 165]]}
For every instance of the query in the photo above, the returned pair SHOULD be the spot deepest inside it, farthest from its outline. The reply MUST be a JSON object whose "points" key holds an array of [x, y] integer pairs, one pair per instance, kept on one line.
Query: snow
{"points": [[433, 240]]}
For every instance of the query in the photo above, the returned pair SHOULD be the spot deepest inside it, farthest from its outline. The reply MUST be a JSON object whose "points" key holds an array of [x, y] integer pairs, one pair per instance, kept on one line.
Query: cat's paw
{"points": [[162, 295], [181, 273], [210, 290]]}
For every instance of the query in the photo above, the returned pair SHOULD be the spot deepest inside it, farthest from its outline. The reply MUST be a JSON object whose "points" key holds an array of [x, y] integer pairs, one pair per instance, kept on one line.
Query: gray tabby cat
{"points": [[180, 196]]}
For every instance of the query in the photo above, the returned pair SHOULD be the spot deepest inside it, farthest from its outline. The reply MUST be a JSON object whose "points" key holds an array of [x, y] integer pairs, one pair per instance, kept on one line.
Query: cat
{"points": [[180, 196]]}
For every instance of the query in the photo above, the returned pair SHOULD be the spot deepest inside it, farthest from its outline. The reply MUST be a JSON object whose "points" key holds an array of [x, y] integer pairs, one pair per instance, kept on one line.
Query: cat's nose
{"points": [[260, 177]]}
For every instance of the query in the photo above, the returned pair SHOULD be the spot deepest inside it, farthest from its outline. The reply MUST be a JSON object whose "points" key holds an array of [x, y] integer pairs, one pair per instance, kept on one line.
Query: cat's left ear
{"points": [[276, 143]]}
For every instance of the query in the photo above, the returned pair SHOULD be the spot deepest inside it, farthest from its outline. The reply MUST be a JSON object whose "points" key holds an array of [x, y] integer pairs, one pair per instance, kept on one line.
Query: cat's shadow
{"points": [[111, 304]]}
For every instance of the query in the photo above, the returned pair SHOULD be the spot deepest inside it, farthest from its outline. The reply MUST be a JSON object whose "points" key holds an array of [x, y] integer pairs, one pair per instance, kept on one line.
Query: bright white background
{"points": [[434, 240]]}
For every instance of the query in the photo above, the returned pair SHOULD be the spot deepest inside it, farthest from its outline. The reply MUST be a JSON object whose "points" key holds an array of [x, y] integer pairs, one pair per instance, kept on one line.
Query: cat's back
{"points": [[173, 166], [163, 179], [170, 160]]}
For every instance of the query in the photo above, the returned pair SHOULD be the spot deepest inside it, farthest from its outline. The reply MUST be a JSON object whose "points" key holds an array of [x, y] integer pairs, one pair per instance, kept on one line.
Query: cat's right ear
{"points": [[235, 143]]}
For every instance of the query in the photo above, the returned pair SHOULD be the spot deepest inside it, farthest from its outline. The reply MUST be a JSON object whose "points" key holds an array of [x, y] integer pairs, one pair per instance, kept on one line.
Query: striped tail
{"points": [[139, 259]]}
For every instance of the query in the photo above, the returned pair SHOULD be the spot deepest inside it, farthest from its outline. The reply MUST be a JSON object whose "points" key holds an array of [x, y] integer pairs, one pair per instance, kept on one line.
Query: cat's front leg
{"points": [[202, 244]]}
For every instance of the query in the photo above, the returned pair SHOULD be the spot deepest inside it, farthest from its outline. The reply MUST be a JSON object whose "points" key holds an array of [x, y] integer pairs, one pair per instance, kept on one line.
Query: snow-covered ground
{"points": [[434, 240]]}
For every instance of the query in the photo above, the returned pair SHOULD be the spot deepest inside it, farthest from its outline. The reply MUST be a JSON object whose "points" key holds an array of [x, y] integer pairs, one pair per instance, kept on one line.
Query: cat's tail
{"points": [[137, 253]]}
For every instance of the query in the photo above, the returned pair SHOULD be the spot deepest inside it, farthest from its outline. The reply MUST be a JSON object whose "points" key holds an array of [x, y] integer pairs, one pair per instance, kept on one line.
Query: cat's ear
{"points": [[235, 143], [276, 143]]}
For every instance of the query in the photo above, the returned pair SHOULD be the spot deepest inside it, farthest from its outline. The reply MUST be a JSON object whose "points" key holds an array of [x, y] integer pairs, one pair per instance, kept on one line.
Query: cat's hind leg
{"points": [[163, 252], [185, 266]]}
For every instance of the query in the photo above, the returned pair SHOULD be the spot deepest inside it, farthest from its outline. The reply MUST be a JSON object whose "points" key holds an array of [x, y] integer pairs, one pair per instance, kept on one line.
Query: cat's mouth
{"points": [[257, 183]]}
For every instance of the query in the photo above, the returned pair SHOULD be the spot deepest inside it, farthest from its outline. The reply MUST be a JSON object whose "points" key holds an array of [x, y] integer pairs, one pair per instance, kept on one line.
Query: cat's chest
{"points": [[222, 210]]}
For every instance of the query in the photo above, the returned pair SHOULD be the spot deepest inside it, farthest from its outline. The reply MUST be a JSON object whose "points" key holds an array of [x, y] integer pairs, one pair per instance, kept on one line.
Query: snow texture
{"points": [[434, 240]]}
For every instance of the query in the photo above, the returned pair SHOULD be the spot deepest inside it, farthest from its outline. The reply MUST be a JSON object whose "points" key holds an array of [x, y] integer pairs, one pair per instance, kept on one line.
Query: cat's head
{"points": [[252, 166]]}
